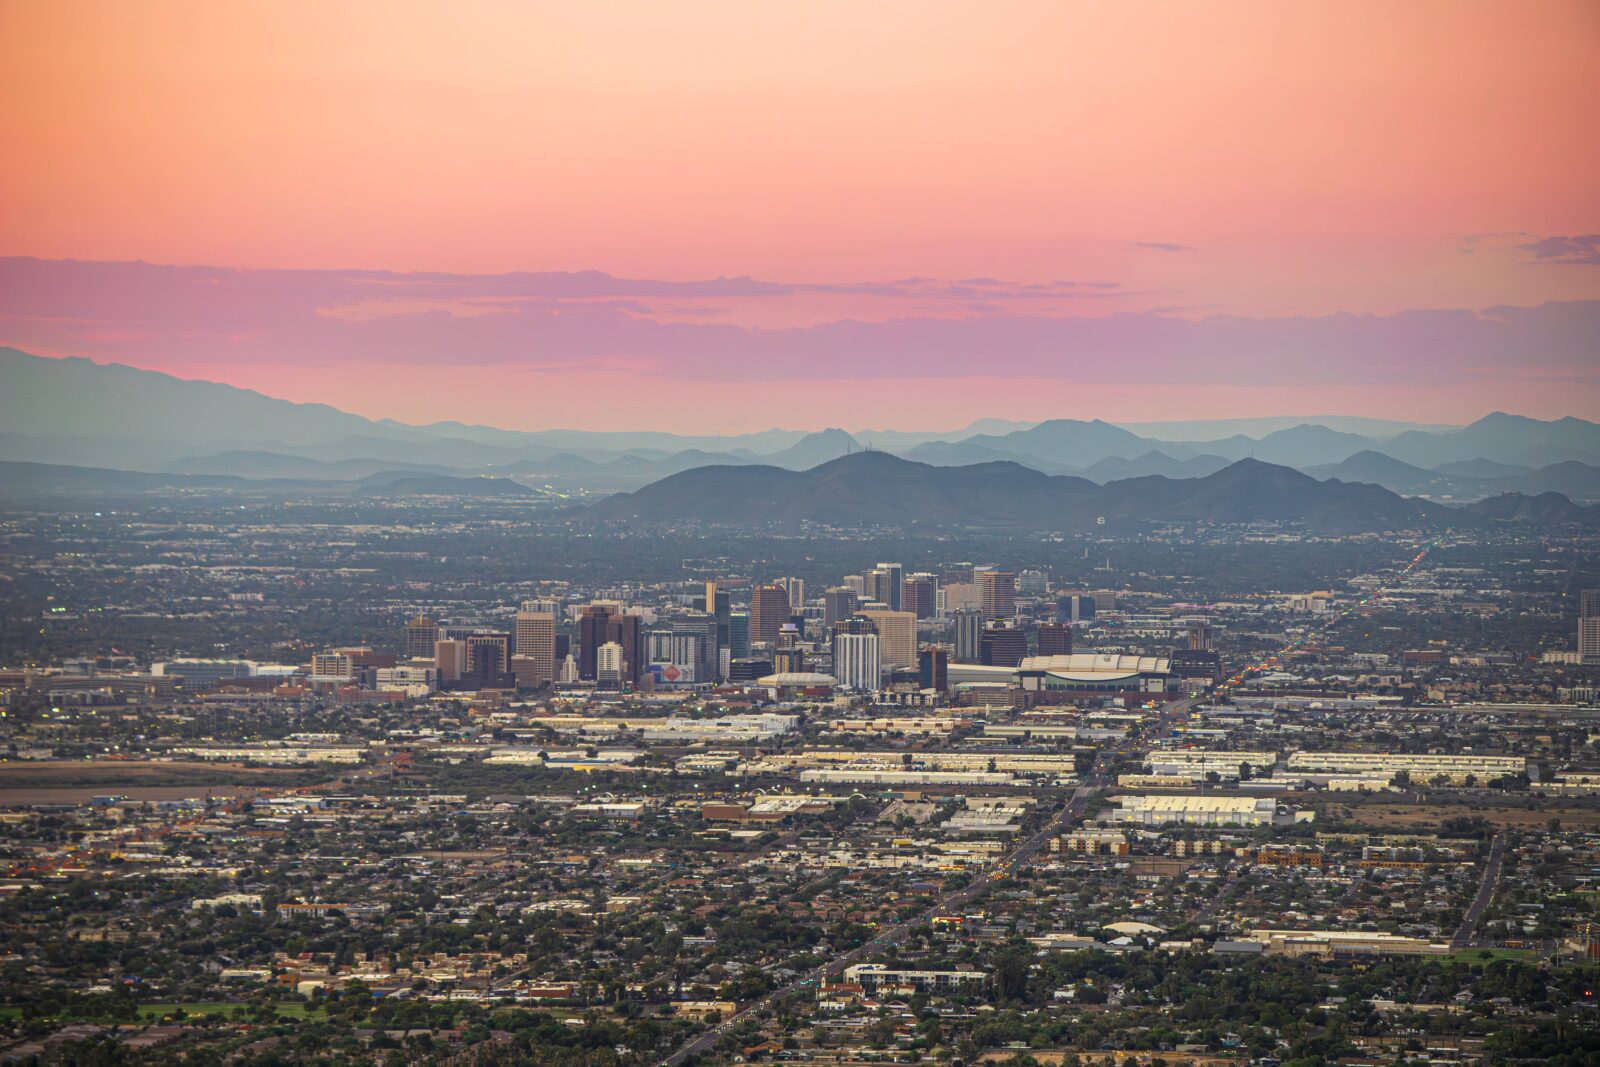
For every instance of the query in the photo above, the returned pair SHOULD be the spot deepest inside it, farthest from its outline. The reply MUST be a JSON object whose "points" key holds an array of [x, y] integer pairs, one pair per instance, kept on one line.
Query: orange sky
{"points": [[1307, 158]]}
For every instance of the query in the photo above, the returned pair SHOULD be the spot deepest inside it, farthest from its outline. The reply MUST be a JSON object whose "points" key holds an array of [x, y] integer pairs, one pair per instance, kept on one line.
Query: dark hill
{"points": [[1574, 480], [1153, 462], [867, 487], [1546, 509], [1378, 469], [1253, 491], [874, 488], [1070, 442]]}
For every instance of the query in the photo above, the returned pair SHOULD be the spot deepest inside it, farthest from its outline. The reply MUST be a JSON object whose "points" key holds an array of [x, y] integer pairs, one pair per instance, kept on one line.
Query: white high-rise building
{"points": [[608, 662], [858, 661]]}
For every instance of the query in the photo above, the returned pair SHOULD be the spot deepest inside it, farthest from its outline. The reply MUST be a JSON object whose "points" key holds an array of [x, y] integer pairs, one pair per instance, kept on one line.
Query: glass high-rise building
{"points": [[739, 634], [968, 637], [422, 633]]}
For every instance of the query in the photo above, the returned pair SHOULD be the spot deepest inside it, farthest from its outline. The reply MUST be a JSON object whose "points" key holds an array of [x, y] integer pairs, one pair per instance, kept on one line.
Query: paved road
{"points": [[1486, 888], [1073, 809], [1224, 893], [1069, 812]]}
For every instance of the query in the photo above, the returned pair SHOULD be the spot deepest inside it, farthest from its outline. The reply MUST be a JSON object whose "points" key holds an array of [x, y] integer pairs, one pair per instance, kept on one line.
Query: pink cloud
{"points": [[380, 328]]}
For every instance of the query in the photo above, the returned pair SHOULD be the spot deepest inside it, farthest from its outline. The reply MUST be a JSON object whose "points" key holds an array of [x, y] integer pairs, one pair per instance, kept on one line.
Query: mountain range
{"points": [[876, 488], [77, 413]]}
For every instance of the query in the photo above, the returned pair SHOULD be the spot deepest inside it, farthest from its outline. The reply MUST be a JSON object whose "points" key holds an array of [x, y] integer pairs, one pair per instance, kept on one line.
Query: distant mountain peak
{"points": [[876, 488]]}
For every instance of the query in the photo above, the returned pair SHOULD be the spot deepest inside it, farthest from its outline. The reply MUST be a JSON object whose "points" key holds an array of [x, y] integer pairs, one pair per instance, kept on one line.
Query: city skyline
{"points": [[952, 534]]}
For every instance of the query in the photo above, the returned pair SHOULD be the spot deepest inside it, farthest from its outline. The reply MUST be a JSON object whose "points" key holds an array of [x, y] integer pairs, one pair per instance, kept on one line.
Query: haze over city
{"points": [[727, 534]]}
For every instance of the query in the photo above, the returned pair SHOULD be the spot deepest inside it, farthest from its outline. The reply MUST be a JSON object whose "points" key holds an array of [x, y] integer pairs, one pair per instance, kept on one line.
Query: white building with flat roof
{"points": [[1200, 762], [1420, 766], [1194, 810], [872, 975]]}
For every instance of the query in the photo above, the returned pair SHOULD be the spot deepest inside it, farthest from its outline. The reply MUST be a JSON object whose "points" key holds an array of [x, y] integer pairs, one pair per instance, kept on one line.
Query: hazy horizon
{"points": [[1184, 430], [505, 350], [751, 216]]}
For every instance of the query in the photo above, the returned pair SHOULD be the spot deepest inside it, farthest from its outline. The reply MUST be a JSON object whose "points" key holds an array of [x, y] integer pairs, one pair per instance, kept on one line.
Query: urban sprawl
{"points": [[352, 802]]}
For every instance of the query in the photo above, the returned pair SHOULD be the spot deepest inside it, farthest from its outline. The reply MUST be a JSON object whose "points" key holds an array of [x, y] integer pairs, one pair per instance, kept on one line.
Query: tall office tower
{"points": [[628, 631], [789, 633], [450, 657], [857, 661], [602, 623], [887, 583], [701, 630], [968, 625], [788, 661], [1033, 583], [534, 657], [689, 653], [738, 646], [1199, 637], [811, 623], [609, 664], [857, 584], [720, 607], [593, 631], [489, 654], [605, 623], [1055, 639], [875, 587], [1589, 638], [933, 667], [1589, 626], [795, 590], [421, 634], [1004, 646], [997, 592], [658, 646], [839, 602], [897, 631], [919, 595], [769, 610]]}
